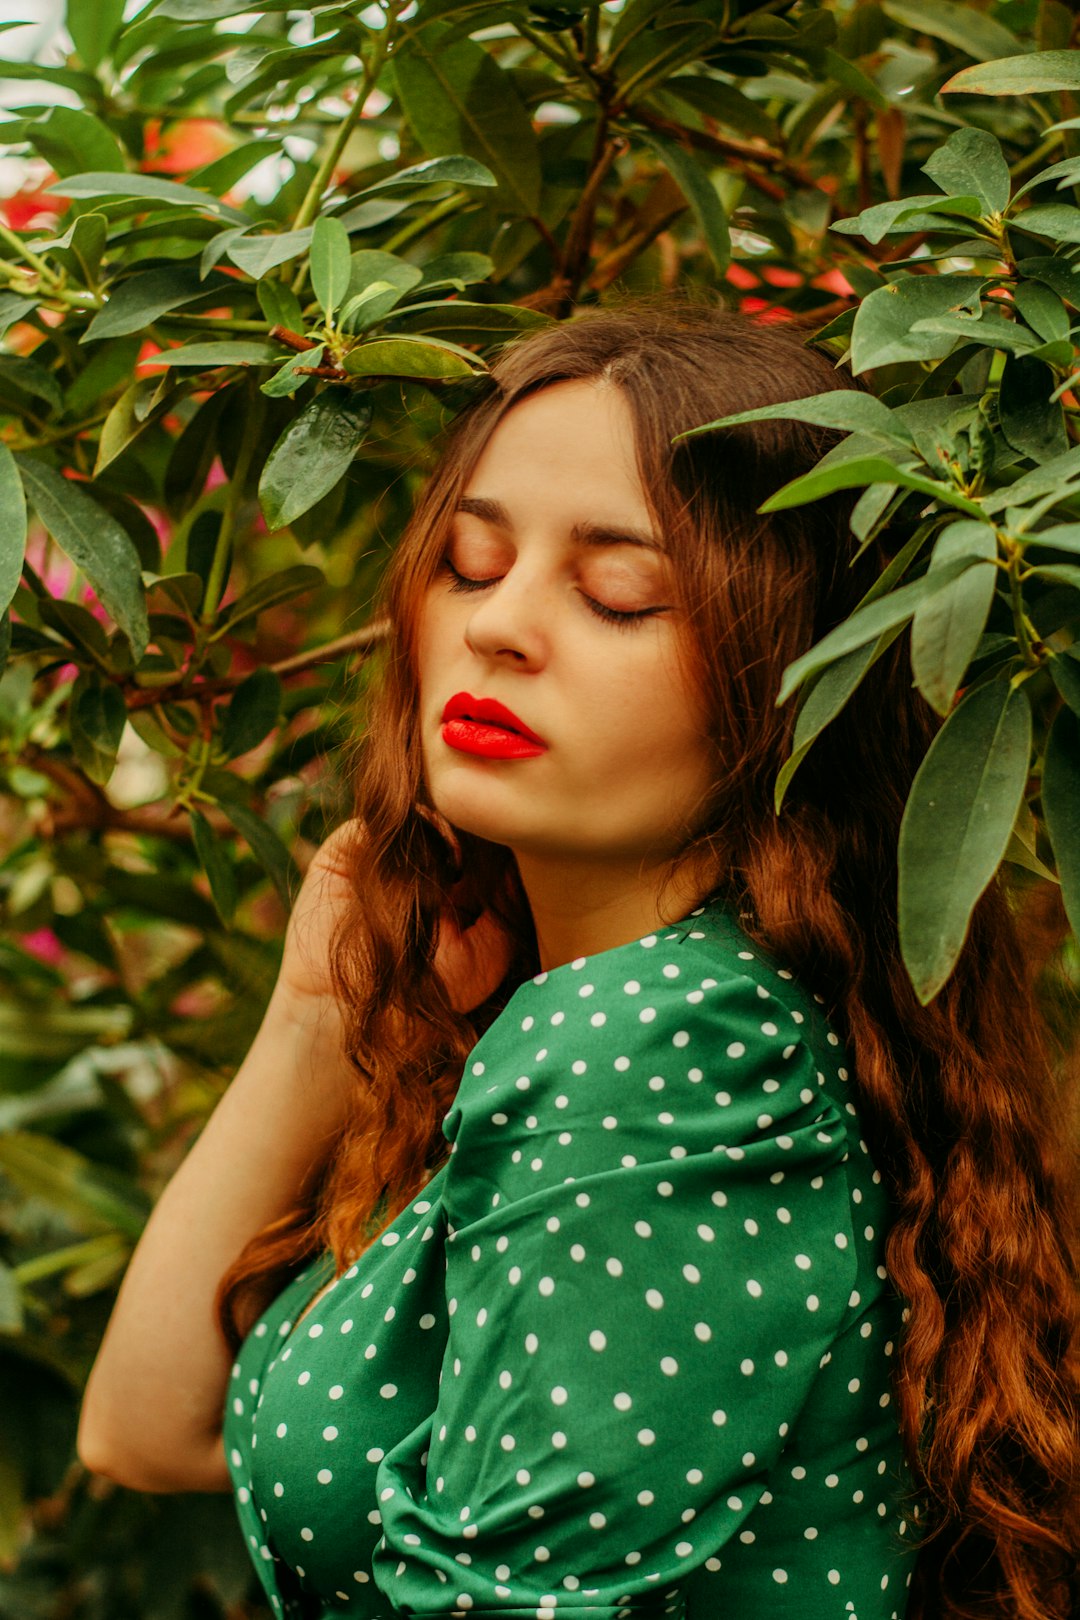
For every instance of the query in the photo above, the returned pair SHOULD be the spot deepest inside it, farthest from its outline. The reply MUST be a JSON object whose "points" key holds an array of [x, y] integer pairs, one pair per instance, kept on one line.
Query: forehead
{"points": [[572, 439]]}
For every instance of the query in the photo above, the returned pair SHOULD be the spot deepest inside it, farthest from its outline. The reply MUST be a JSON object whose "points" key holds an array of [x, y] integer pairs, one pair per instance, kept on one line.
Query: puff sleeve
{"points": [[649, 1253]]}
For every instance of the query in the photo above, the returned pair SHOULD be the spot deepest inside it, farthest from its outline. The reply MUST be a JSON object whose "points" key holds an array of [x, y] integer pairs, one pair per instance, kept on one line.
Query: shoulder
{"points": [[690, 1009]]}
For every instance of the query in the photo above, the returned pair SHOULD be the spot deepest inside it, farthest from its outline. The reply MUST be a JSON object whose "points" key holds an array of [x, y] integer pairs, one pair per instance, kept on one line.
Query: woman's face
{"points": [[554, 527]]}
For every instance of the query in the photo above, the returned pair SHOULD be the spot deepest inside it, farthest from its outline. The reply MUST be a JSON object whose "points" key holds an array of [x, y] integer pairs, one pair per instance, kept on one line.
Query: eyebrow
{"points": [[583, 534]]}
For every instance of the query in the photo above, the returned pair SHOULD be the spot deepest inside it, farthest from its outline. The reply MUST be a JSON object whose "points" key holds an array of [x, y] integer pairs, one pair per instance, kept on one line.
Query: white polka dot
{"points": [[736, 1049]]}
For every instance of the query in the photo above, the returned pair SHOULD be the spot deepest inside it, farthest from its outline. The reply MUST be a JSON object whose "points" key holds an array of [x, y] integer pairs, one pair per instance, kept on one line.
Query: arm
{"points": [[152, 1413], [629, 1344], [153, 1410]]}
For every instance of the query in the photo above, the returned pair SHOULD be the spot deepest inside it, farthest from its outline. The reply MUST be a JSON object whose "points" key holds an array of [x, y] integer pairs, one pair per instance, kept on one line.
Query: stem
{"points": [[555, 53], [372, 68], [219, 323], [1025, 632], [216, 581], [416, 227], [592, 33], [29, 255]]}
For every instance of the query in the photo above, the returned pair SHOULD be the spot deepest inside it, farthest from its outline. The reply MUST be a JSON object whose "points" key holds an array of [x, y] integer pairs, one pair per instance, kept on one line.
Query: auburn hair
{"points": [[961, 1101]]}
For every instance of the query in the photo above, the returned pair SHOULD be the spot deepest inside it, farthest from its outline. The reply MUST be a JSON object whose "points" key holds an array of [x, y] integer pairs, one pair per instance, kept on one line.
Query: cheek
{"points": [[645, 720]]}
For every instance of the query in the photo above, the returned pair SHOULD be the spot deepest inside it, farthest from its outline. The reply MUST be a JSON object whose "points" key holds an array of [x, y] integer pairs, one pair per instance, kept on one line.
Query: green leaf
{"points": [[1060, 573], [1043, 310], [282, 586], [822, 480], [12, 526], [871, 621], [1061, 537], [11, 1311], [1065, 670], [267, 848], [82, 247], [475, 322], [1040, 482], [823, 700], [988, 327], [947, 626], [956, 826], [93, 25], [92, 1198], [204, 10], [137, 302], [458, 100], [217, 864], [207, 355], [127, 419], [331, 263], [1031, 422], [969, 30], [457, 270], [69, 139], [1059, 221], [1055, 272], [696, 186], [376, 282], [1066, 173], [12, 308], [31, 378], [96, 544], [1022, 847], [97, 715], [369, 265], [1018, 75], [971, 163], [311, 454], [289, 377], [257, 255], [454, 171], [429, 359], [145, 186], [252, 712], [848, 409], [1061, 806], [886, 217], [882, 333], [280, 305]]}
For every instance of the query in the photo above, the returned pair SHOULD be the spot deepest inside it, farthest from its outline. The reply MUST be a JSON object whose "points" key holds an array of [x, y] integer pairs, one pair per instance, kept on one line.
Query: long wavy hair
{"points": [[960, 1100]]}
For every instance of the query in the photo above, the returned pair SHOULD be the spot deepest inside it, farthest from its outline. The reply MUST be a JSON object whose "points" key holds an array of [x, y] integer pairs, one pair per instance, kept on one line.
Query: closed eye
{"points": [[622, 620]]}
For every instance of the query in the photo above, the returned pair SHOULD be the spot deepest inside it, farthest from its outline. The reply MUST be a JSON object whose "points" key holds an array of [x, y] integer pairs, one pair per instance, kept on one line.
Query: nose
{"points": [[508, 619]]}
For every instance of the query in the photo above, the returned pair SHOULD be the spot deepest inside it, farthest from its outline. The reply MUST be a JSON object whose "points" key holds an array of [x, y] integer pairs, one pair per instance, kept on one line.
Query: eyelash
{"points": [[621, 621]]}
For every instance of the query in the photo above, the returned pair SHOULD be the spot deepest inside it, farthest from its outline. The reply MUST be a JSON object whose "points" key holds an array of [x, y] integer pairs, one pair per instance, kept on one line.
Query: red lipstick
{"points": [[488, 728]]}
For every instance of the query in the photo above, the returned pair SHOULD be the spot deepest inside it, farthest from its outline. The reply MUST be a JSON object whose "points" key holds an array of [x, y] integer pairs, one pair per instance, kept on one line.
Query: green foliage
{"points": [[223, 369]]}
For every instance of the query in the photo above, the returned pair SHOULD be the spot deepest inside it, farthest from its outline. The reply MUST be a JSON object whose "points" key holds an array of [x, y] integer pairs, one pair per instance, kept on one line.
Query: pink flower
{"points": [[44, 944]]}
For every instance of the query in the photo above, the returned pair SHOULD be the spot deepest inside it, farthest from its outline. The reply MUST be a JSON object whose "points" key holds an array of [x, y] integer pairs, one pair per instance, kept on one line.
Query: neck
{"points": [[580, 911]]}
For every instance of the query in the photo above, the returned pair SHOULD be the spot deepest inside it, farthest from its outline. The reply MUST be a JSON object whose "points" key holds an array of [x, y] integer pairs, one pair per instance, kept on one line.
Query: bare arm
{"points": [[152, 1413]]}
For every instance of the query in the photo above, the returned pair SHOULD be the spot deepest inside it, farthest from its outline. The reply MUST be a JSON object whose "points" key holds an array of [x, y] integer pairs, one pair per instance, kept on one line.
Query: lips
{"points": [[489, 711]]}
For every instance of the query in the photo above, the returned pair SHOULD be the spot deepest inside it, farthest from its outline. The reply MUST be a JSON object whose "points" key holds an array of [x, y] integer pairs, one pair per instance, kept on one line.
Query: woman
{"points": [[652, 1250]]}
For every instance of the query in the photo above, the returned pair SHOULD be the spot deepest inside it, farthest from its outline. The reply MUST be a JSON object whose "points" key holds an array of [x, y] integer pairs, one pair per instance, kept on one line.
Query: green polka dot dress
{"points": [[628, 1350]]}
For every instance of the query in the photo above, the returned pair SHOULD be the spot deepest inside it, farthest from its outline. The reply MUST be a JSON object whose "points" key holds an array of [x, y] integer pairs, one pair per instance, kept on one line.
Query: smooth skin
{"points": [[595, 820]]}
